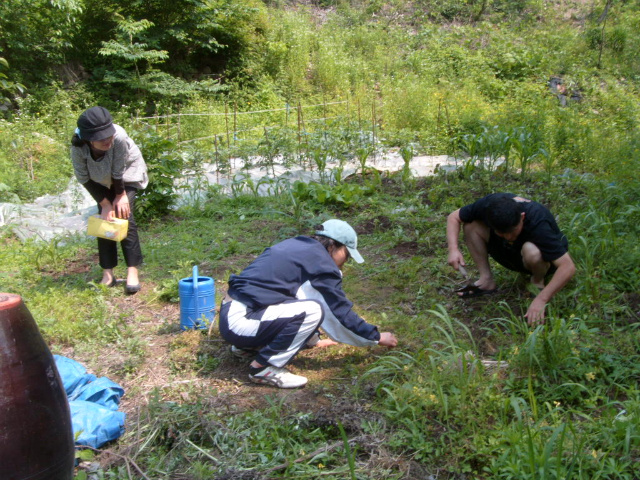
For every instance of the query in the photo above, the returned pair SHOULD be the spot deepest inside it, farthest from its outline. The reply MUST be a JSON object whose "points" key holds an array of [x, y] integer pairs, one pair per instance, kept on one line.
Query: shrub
{"points": [[165, 167]]}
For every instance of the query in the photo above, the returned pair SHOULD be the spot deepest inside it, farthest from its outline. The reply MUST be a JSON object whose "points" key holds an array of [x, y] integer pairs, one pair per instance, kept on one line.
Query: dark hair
{"points": [[329, 243], [76, 141], [504, 214]]}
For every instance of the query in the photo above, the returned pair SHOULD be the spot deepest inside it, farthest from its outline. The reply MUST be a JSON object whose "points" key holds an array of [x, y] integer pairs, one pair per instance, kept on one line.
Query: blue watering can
{"points": [[197, 301]]}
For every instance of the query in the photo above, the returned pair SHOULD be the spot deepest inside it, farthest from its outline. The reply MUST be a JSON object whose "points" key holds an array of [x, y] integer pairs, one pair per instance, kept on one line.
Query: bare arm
{"points": [[454, 225], [564, 273]]}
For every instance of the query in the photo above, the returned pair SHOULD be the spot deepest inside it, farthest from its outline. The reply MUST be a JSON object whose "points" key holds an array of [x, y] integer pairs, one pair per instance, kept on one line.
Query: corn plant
{"points": [[497, 145], [407, 152], [526, 147]]}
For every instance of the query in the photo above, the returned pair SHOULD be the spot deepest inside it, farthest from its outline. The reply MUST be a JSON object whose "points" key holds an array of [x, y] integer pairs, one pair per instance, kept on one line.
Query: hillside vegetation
{"points": [[532, 97], [425, 73]]}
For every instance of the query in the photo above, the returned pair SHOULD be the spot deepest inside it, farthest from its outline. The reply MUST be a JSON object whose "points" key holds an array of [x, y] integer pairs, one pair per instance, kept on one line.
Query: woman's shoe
{"points": [[131, 289]]}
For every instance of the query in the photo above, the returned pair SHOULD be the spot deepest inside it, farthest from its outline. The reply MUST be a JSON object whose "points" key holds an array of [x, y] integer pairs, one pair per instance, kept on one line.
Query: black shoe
{"points": [[131, 289]]}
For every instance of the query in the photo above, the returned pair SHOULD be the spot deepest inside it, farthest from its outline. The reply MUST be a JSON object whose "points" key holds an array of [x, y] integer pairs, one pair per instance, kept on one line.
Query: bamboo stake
{"points": [[304, 128], [179, 117], [235, 122], [226, 122], [299, 132], [446, 111], [324, 111], [348, 111], [373, 127], [286, 115], [215, 144], [299, 126]]}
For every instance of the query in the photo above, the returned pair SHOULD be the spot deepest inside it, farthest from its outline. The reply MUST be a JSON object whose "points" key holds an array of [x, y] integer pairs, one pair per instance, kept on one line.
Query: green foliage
{"points": [[343, 194], [185, 42], [31, 163], [127, 51], [61, 323], [8, 88], [200, 35], [275, 433], [36, 35], [165, 168], [287, 52], [472, 391], [560, 399]]}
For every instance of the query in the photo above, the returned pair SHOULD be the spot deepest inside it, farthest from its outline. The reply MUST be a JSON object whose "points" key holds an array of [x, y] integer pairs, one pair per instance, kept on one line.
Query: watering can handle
{"points": [[195, 291]]}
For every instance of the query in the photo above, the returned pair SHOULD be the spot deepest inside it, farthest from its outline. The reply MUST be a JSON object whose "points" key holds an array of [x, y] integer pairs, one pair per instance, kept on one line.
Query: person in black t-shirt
{"points": [[519, 234]]}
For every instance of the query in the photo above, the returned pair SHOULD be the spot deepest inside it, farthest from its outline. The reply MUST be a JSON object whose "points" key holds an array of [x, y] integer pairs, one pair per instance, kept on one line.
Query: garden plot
{"points": [[55, 215]]}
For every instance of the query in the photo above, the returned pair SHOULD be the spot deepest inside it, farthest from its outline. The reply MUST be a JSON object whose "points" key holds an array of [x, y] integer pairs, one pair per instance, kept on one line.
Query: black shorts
{"points": [[508, 255]]}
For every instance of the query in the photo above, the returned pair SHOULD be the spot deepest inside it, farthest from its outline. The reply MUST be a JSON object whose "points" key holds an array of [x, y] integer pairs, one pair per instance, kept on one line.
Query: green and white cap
{"points": [[344, 233]]}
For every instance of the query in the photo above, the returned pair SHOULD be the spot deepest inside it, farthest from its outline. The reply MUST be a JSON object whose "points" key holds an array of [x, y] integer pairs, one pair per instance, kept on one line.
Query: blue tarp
{"points": [[96, 424], [93, 403]]}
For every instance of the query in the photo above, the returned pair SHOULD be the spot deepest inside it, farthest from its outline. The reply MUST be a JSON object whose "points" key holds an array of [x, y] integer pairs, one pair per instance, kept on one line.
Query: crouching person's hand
{"points": [[388, 339]]}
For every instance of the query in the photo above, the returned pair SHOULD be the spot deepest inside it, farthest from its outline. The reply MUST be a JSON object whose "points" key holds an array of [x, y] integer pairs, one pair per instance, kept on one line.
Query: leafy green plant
{"points": [[527, 148], [277, 145], [8, 88], [165, 167], [129, 52], [341, 194], [407, 152], [48, 254]]}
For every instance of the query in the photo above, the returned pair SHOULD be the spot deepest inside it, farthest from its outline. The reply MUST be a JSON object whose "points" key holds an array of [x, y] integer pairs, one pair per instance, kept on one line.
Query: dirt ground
{"points": [[170, 364]]}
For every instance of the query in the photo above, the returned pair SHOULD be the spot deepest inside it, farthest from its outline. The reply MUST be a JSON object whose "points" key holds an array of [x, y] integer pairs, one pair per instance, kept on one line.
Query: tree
{"points": [[128, 51], [36, 36], [8, 88]]}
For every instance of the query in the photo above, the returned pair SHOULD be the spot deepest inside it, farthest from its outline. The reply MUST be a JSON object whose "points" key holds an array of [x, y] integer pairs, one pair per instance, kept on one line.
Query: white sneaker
{"points": [[280, 377], [244, 353]]}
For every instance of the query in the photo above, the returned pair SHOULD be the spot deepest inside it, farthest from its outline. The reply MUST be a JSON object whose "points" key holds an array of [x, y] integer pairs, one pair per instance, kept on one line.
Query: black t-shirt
{"points": [[540, 228]]}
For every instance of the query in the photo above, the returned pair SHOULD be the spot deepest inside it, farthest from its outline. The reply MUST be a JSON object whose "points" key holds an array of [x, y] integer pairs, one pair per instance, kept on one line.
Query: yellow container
{"points": [[115, 230]]}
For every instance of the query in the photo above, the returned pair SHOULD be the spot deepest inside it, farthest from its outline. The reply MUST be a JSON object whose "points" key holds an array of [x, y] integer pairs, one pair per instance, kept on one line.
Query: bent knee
{"points": [[476, 228], [531, 255]]}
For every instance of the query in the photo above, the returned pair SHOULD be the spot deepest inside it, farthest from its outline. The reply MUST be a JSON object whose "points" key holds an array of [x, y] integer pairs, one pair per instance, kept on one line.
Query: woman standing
{"points": [[110, 166]]}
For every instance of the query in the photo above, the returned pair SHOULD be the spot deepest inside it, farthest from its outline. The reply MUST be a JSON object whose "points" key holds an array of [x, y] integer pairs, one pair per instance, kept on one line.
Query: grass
{"points": [[566, 406]]}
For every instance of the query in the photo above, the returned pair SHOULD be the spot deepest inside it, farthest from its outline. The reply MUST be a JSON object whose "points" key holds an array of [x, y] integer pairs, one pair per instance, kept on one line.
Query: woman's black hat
{"points": [[95, 124]]}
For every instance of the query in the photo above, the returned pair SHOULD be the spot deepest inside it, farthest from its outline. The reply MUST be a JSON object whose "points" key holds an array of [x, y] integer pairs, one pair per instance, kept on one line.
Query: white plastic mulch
{"points": [[52, 216]]}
